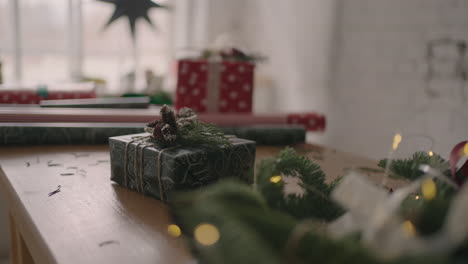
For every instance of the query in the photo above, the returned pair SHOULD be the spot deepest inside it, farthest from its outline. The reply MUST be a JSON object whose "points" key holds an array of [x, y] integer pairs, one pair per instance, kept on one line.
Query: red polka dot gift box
{"points": [[207, 86]]}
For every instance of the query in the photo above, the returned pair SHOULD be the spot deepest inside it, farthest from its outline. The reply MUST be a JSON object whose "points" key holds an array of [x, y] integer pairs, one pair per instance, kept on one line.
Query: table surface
{"points": [[92, 220]]}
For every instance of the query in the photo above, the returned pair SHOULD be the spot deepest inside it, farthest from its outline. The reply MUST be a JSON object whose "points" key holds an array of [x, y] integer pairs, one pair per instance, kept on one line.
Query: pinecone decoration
{"points": [[185, 117], [168, 116], [150, 126], [169, 134], [164, 131], [186, 112], [157, 133]]}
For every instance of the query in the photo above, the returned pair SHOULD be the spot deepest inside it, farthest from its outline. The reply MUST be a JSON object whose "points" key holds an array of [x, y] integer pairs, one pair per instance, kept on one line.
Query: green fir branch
{"points": [[409, 168], [199, 133], [428, 216], [255, 227], [251, 233], [315, 202]]}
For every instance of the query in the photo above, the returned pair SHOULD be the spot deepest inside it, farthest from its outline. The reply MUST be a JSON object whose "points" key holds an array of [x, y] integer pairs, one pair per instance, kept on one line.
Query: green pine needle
{"points": [[223, 206], [315, 202], [255, 227], [199, 133], [428, 216], [409, 168], [251, 233]]}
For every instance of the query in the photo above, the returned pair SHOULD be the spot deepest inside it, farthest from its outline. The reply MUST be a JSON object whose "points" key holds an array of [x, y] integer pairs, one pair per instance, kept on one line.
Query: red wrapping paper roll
{"points": [[31, 97], [311, 121]]}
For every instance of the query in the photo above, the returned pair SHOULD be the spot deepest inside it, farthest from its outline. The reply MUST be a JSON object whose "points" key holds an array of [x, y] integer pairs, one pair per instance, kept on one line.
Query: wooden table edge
{"points": [[22, 226]]}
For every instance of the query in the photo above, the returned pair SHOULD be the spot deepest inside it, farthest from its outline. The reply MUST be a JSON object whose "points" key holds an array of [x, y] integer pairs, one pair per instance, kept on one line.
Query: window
{"points": [[109, 53], [63, 39]]}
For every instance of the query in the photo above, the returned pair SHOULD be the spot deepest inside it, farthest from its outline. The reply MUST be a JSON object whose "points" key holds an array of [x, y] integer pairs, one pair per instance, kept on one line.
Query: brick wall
{"points": [[380, 82]]}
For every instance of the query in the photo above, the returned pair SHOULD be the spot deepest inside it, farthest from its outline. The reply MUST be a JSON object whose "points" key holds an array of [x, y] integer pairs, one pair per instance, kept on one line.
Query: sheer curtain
{"points": [[298, 38]]}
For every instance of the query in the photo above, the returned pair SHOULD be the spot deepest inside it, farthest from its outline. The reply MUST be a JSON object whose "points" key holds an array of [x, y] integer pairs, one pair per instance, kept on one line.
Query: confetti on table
{"points": [[108, 242], [56, 191], [51, 164]]}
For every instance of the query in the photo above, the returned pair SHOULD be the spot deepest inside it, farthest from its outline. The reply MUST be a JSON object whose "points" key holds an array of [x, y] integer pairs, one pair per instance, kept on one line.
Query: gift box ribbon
{"points": [[459, 151], [213, 83], [138, 164]]}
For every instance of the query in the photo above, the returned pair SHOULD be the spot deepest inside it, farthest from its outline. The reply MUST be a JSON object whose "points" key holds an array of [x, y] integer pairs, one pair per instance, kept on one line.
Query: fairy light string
{"points": [[396, 145], [396, 142]]}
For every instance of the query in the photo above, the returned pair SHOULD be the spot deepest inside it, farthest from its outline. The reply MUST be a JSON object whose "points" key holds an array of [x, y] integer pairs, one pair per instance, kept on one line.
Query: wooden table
{"points": [[92, 220]]}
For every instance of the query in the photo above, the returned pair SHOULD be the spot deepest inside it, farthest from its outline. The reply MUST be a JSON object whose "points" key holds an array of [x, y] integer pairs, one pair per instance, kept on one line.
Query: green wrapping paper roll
{"points": [[62, 133], [270, 134], [98, 133], [158, 172]]}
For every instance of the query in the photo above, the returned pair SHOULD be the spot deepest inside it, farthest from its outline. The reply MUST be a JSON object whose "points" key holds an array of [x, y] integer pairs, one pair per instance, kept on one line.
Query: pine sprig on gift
{"points": [[198, 133], [185, 129], [409, 168], [315, 199]]}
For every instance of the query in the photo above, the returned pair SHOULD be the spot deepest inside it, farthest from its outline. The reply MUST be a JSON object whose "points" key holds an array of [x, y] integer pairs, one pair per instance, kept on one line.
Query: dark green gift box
{"points": [[146, 168]]}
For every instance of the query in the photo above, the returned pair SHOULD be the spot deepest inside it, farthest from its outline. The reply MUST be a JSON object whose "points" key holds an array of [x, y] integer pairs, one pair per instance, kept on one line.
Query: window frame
{"points": [[74, 39]]}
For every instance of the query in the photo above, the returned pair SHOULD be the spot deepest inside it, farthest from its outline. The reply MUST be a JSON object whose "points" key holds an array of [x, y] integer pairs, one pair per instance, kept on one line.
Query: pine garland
{"points": [[250, 232], [258, 226], [315, 202], [428, 216], [409, 168]]}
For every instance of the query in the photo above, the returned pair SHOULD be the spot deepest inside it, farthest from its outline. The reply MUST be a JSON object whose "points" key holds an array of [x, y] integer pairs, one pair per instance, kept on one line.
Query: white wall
{"points": [[362, 62], [297, 36]]}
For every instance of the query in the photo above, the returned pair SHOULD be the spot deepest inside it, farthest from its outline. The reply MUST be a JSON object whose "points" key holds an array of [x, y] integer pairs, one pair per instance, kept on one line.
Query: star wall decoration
{"points": [[133, 10]]}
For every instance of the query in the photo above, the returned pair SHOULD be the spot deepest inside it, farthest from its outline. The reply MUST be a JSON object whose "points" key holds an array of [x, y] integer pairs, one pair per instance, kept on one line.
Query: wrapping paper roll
{"points": [[310, 121]]}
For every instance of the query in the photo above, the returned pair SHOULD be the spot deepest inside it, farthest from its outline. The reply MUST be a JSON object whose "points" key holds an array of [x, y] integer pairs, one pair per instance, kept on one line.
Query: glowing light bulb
{"points": [[430, 153], [408, 228], [429, 189], [417, 197], [174, 230], [275, 179], [206, 234], [396, 141]]}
